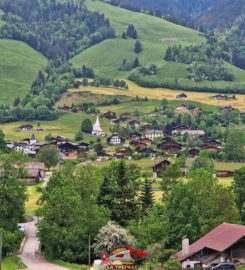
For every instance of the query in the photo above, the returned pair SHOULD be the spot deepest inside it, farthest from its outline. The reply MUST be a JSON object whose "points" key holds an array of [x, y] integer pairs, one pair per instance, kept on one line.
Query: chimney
{"points": [[185, 246]]}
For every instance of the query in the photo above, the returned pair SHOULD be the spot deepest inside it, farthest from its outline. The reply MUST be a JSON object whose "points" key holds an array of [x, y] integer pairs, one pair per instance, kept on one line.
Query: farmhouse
{"points": [[181, 96], [178, 129], [193, 152], [84, 146], [146, 141], [153, 134], [170, 146], [110, 115], [224, 243], [197, 111], [67, 147], [35, 172], [116, 121], [125, 116], [219, 97], [134, 123], [26, 128], [210, 148], [123, 153], [148, 152], [135, 137], [159, 168], [145, 128], [102, 155], [115, 139], [181, 108]]}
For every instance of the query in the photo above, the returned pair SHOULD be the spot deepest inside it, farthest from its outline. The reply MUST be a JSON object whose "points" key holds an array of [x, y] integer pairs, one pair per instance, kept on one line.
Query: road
{"points": [[29, 254]]}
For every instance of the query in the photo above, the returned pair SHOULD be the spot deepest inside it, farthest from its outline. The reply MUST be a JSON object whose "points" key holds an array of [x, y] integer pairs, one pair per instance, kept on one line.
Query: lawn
{"points": [[11, 263], [19, 64], [107, 57], [67, 125], [32, 197]]}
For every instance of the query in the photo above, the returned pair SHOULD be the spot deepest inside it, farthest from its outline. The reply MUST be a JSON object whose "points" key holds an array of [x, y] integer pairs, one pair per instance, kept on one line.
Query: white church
{"points": [[97, 130]]}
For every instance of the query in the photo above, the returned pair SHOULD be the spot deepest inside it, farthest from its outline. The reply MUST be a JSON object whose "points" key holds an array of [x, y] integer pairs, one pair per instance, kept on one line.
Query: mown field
{"points": [[107, 57], [159, 94], [19, 65], [67, 125]]}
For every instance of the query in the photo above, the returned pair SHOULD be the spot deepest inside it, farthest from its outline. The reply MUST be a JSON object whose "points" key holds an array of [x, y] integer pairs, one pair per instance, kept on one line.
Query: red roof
{"points": [[219, 239]]}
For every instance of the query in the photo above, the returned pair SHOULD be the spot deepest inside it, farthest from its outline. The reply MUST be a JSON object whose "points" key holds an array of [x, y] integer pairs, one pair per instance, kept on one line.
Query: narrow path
{"points": [[29, 255]]}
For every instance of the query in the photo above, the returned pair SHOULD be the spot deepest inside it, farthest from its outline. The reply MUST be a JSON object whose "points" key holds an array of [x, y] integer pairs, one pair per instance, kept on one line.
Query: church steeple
{"points": [[97, 130]]}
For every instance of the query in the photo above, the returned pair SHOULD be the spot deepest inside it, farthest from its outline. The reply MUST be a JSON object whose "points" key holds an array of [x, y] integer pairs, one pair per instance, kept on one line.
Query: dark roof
{"points": [[219, 239], [159, 163]]}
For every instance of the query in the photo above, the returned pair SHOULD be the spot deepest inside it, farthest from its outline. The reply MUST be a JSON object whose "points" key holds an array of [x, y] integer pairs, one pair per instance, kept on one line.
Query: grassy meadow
{"points": [[155, 94], [19, 65], [67, 125], [107, 57]]}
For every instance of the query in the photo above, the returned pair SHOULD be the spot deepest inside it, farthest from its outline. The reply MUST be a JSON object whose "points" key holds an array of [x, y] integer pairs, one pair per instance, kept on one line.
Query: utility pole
{"points": [[89, 252], [1, 246]]}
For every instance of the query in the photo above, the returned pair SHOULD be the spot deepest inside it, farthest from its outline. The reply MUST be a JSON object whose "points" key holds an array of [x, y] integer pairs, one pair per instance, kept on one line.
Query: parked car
{"points": [[224, 266]]}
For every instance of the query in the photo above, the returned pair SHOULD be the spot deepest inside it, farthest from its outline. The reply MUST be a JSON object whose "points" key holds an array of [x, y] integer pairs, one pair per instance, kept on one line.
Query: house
{"points": [[220, 97], [135, 137], [197, 111], [226, 108], [210, 148], [97, 130], [193, 152], [68, 147], [181, 108], [26, 128], [139, 146], [181, 96], [177, 129], [102, 155], [115, 139], [134, 123], [170, 146], [145, 128], [116, 121], [110, 115], [146, 141], [211, 141], [84, 146], [148, 152], [225, 173], [192, 133], [125, 116], [153, 134], [160, 167], [224, 243], [35, 172], [57, 139], [122, 153], [70, 156]]}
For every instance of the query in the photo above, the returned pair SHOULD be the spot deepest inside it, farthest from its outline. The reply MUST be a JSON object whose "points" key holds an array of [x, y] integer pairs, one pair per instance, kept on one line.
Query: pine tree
{"points": [[147, 196], [138, 47], [136, 62], [124, 36]]}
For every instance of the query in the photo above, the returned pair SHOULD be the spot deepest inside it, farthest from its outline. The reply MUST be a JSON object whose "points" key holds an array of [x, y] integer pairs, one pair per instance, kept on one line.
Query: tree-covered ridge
{"points": [[54, 28]]}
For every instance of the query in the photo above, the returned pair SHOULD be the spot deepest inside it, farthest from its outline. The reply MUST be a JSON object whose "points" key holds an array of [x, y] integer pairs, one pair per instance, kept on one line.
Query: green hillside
{"points": [[107, 57], [19, 65]]}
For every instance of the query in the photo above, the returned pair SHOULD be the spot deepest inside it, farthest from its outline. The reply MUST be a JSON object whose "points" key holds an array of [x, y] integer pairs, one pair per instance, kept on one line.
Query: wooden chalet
{"points": [[170, 146], [181, 108], [181, 96], [140, 145], [197, 111], [193, 152], [115, 139], [226, 108], [103, 155], [84, 146], [160, 167], [123, 153], [26, 128], [225, 243], [35, 172], [135, 137], [68, 147], [125, 116], [178, 129], [150, 153], [145, 128], [110, 115], [146, 141], [134, 123], [210, 148], [116, 121]]}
